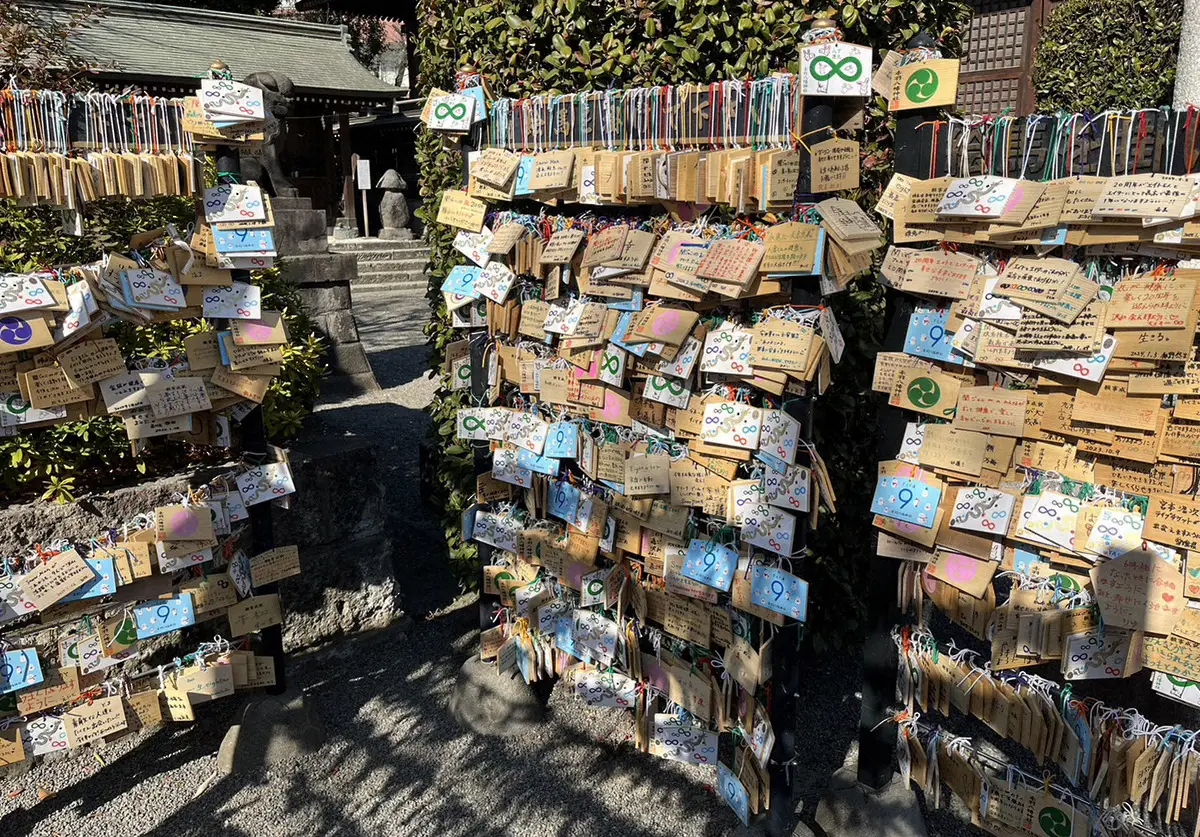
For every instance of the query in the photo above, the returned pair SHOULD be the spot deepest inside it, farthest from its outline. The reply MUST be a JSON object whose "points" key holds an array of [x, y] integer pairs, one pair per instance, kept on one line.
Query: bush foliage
{"points": [[540, 46], [1100, 54], [61, 461]]}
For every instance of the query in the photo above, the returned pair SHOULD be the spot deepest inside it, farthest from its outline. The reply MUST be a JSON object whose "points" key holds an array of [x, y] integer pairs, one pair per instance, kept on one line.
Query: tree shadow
{"points": [[396, 762]]}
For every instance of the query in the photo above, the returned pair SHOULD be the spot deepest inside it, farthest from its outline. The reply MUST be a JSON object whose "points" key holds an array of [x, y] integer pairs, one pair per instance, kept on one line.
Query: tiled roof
{"points": [[168, 42]]}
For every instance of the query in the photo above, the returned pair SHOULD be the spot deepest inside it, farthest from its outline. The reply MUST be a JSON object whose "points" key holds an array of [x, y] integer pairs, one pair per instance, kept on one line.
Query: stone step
{"points": [[391, 257], [356, 245], [393, 278], [278, 203], [370, 293], [405, 265]]}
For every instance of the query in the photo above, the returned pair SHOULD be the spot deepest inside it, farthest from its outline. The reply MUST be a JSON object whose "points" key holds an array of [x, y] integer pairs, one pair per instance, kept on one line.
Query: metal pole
{"points": [[877, 743]]}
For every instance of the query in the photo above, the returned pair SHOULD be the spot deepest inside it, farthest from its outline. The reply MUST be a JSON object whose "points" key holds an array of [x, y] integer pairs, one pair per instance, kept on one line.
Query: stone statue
{"points": [[264, 160], [393, 209]]}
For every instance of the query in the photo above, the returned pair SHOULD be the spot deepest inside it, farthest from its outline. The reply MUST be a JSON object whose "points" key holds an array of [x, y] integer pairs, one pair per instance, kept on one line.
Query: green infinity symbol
{"points": [[611, 363], [16, 405], [472, 423], [853, 74], [667, 384], [442, 110]]}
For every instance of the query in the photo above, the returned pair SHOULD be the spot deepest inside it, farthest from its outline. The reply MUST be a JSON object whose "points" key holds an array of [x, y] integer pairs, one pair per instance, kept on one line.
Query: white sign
{"points": [[835, 69], [453, 112], [363, 174]]}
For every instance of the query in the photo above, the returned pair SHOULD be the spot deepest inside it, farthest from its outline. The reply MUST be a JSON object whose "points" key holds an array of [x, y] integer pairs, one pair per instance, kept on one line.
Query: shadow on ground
{"points": [[397, 763]]}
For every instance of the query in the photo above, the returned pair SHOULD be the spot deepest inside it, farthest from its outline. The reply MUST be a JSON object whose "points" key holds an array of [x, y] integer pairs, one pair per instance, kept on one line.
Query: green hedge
{"points": [[1100, 54], [528, 47], [67, 459]]}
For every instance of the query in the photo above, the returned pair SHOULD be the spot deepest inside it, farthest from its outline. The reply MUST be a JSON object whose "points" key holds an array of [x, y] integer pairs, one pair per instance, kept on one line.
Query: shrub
{"points": [[542, 46], [61, 461], [1100, 54]]}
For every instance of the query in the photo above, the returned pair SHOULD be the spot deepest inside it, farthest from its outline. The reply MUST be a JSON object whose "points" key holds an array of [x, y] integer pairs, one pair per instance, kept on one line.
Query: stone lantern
{"points": [[393, 209]]}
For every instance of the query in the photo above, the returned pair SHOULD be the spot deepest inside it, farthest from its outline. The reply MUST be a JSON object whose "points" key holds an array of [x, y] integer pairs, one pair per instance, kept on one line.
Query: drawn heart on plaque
{"points": [[1167, 597], [959, 568], [257, 332], [665, 323], [184, 523]]}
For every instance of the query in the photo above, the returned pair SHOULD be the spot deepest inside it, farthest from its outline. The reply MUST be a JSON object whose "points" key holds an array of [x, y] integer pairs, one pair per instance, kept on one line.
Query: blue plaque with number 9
{"points": [[162, 616], [779, 591], [733, 792], [562, 440], [927, 335], [461, 281], [906, 499], [564, 501], [19, 670], [710, 563], [524, 172], [547, 465]]}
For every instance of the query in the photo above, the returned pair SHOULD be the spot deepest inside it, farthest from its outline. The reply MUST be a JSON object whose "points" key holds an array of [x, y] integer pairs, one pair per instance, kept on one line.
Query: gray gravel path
{"points": [[395, 763]]}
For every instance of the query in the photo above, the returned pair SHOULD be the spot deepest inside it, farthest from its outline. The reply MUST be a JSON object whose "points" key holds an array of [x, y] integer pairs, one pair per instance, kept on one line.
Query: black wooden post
{"points": [[816, 120], [877, 740], [1178, 164], [480, 450], [816, 114], [254, 442], [785, 669], [483, 465]]}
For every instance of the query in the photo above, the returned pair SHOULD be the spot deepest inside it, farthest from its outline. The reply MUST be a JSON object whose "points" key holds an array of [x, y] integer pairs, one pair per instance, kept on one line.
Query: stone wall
{"points": [[323, 280], [338, 518], [346, 584]]}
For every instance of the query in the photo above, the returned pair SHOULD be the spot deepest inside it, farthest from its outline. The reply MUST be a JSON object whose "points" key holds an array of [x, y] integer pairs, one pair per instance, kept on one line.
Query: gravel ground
{"points": [[395, 761]]}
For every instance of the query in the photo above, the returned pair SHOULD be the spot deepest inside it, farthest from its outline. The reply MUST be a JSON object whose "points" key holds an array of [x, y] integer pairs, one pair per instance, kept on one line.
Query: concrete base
{"points": [[401, 234], [270, 729], [343, 229], [850, 810], [323, 280], [349, 583], [494, 704]]}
